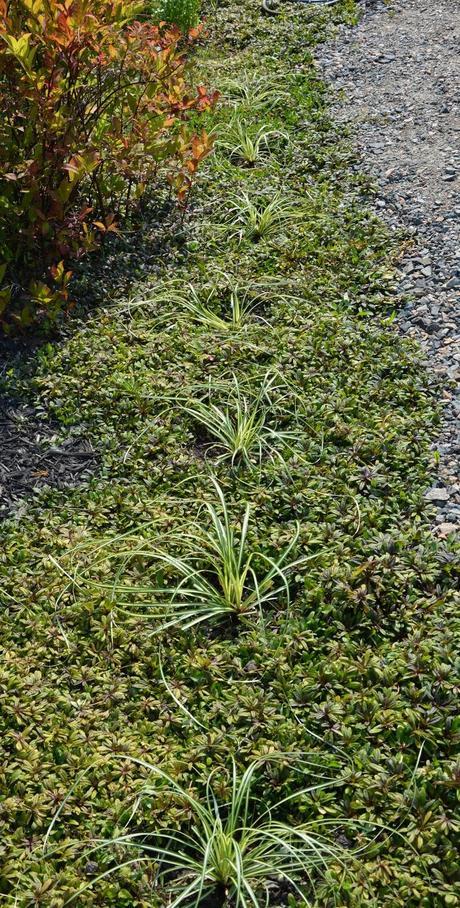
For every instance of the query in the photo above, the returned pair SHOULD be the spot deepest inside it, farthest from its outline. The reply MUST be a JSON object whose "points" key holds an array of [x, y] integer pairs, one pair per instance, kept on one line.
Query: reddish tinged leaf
{"points": [[67, 137]]}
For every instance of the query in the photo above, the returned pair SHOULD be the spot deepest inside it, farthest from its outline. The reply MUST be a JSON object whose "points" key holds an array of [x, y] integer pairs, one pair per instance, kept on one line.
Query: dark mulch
{"points": [[32, 457]]}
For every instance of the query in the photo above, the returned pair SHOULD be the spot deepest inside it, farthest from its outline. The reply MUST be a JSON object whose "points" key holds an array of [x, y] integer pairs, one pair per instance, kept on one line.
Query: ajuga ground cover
{"points": [[258, 417]]}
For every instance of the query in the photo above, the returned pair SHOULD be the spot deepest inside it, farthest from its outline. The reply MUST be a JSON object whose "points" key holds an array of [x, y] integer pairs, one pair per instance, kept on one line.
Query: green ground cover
{"points": [[263, 355]]}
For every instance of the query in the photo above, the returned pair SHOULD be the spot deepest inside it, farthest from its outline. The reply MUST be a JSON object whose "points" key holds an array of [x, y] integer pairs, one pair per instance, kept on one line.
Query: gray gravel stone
{"points": [[446, 529], [437, 495], [397, 76]]}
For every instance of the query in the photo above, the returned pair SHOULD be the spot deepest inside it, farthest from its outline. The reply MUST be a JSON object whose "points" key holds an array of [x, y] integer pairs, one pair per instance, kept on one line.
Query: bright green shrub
{"points": [[183, 13]]}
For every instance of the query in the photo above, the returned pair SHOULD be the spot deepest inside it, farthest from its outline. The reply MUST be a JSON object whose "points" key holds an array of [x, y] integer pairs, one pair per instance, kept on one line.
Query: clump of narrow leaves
{"points": [[183, 13], [224, 305], [254, 93], [243, 429], [218, 309], [94, 110], [258, 219], [247, 146], [198, 574], [233, 852]]}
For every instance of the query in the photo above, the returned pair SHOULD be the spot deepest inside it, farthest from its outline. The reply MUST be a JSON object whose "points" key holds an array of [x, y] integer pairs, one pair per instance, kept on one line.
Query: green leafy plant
{"points": [[260, 220], [94, 110], [215, 575], [184, 302], [233, 851], [253, 92], [183, 13], [244, 429], [224, 306], [249, 146]]}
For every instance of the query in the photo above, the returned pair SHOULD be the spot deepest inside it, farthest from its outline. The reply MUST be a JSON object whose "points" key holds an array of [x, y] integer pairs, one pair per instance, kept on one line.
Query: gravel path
{"points": [[399, 70]]}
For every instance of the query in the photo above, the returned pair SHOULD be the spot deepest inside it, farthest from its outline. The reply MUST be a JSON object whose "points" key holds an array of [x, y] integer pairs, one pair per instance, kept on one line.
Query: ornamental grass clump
{"points": [[254, 93], [94, 113], [231, 852], [257, 219], [183, 13], [248, 147], [244, 428], [223, 306], [212, 309], [197, 574]]}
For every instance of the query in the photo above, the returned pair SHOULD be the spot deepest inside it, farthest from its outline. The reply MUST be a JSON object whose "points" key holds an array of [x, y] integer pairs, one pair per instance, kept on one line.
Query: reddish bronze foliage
{"points": [[95, 110]]}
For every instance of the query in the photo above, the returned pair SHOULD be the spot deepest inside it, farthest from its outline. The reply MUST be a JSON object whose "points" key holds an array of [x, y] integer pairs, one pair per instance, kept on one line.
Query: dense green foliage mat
{"points": [[362, 664]]}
